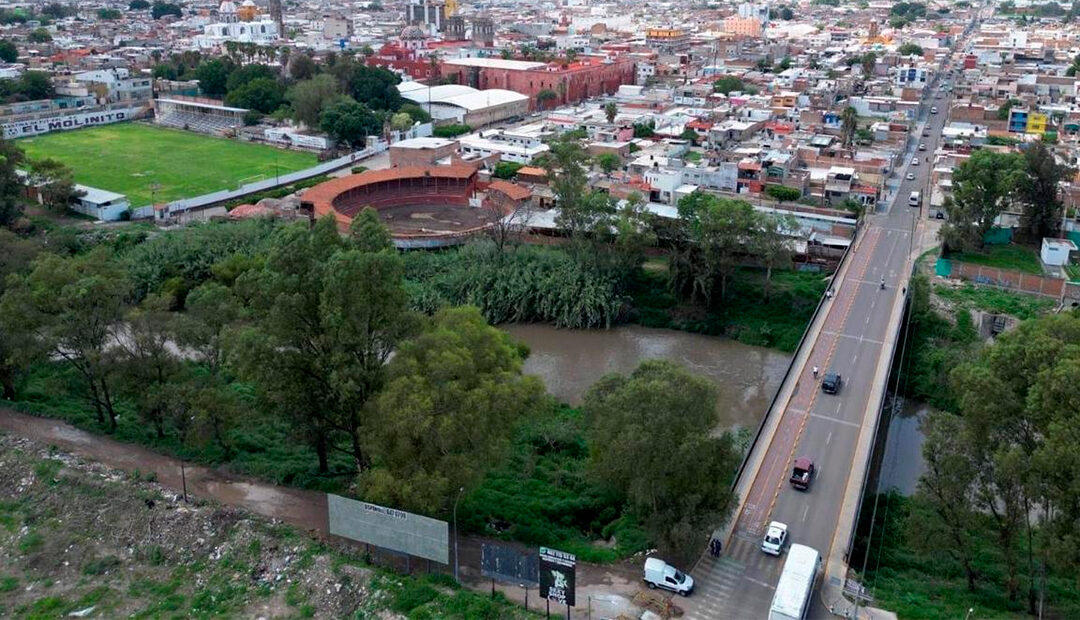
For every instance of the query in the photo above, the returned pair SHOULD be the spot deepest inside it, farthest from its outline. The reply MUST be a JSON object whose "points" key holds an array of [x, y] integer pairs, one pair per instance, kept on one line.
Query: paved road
{"points": [[821, 426]]}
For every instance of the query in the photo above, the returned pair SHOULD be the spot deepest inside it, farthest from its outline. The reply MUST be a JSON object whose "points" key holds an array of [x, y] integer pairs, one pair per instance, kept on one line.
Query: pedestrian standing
{"points": [[815, 371]]}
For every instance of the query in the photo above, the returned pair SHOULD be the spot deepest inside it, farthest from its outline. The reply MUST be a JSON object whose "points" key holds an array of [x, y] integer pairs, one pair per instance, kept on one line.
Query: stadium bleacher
{"points": [[203, 123]]}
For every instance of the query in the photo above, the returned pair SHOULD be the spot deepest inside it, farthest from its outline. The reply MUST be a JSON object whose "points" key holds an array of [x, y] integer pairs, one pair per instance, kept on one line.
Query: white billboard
{"points": [[389, 528], [61, 122]]}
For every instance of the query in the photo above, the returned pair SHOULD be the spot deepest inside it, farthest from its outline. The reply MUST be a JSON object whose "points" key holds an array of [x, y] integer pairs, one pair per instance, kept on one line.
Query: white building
{"points": [[230, 28], [520, 148]]}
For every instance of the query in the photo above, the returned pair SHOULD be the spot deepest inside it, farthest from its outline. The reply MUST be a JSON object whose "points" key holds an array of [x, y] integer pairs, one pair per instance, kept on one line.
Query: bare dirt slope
{"points": [[77, 537]]}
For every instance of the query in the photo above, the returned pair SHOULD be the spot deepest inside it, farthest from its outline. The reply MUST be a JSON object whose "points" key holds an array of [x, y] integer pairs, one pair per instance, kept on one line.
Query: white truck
{"points": [[796, 586], [660, 574]]}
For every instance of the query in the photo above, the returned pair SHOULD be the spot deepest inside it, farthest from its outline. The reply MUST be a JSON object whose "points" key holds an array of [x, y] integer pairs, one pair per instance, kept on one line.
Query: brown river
{"points": [[571, 360]]}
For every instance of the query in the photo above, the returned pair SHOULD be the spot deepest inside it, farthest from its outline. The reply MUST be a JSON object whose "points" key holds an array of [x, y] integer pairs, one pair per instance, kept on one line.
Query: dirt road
{"points": [[602, 591]]}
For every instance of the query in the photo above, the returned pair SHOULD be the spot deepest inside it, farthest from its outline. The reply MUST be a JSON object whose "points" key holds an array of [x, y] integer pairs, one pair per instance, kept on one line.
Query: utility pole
{"points": [[460, 491]]}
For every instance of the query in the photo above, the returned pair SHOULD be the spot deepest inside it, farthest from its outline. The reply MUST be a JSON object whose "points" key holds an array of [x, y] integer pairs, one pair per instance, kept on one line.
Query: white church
{"points": [[241, 24]]}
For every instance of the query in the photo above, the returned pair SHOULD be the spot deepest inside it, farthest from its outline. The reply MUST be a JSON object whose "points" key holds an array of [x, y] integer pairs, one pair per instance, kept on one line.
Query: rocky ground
{"points": [[79, 539]]}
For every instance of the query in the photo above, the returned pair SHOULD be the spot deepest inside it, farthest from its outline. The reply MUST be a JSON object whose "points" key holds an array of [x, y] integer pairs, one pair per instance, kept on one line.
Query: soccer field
{"points": [[131, 158]]}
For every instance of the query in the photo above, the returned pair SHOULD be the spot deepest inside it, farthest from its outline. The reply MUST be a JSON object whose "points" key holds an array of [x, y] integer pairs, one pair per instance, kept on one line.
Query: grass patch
{"points": [[989, 299], [424, 599], [542, 496], [744, 315], [1012, 256], [1073, 271], [8, 583], [130, 157], [31, 542]]}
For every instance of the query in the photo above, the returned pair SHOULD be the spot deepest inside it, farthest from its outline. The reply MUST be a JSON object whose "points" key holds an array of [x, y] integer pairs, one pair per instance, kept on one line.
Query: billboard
{"points": [[62, 122], [506, 563], [389, 528], [557, 576]]}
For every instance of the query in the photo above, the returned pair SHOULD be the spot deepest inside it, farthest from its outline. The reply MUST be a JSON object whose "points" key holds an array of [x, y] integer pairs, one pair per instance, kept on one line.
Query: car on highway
{"points": [[775, 538], [915, 161], [660, 574], [910, 176], [922, 147], [802, 473], [933, 110], [926, 133], [832, 383]]}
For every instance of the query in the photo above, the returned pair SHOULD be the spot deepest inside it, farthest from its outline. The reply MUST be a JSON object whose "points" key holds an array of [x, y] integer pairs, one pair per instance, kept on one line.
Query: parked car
{"points": [[802, 473], [775, 538], [831, 383], [660, 574]]}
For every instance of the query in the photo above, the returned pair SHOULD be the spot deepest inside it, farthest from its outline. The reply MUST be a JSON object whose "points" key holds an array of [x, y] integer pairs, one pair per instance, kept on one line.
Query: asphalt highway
{"points": [[823, 427]]}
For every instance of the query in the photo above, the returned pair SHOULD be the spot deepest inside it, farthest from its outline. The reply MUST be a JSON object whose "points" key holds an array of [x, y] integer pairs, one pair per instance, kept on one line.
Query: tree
{"points": [[161, 9], [374, 87], [729, 84], [11, 186], [983, 187], [787, 14], [453, 395], [713, 232], [611, 110], [771, 244], [262, 95], [644, 130], [309, 97], [782, 193], [544, 96], [302, 67], [39, 35], [1005, 108], [17, 347], [418, 114], [401, 121], [165, 72], [451, 131], [138, 5], [910, 49], [349, 122], [213, 76], [34, 85], [506, 169], [109, 14], [240, 76], [70, 307], [1039, 192], [651, 440], [8, 51], [326, 317], [147, 364], [848, 123], [54, 183], [608, 162], [210, 309], [368, 233], [868, 62]]}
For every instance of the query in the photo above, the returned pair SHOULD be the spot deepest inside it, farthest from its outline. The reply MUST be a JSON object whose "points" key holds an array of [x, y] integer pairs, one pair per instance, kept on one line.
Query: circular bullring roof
{"points": [[421, 205]]}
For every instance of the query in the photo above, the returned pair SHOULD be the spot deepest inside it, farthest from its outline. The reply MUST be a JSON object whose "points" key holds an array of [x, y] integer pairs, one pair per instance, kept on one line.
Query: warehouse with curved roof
{"points": [[455, 103]]}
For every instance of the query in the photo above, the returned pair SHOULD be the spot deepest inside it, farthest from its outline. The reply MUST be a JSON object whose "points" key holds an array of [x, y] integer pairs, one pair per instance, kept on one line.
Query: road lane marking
{"points": [[828, 438], [805, 512], [853, 337], [759, 583], [837, 420]]}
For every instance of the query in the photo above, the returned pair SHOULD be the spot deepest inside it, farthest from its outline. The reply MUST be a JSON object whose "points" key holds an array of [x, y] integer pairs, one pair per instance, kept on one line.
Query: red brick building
{"points": [[571, 82]]}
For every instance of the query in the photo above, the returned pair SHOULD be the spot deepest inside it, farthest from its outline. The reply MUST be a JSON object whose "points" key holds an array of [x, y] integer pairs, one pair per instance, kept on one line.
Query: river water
{"points": [[569, 361]]}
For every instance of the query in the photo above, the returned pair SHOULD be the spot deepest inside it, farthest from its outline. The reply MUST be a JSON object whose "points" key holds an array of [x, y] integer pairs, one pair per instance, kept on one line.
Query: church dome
{"points": [[413, 33]]}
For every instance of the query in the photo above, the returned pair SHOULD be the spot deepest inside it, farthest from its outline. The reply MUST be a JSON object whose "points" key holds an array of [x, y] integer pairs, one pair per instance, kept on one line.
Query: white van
{"points": [[914, 199], [660, 574]]}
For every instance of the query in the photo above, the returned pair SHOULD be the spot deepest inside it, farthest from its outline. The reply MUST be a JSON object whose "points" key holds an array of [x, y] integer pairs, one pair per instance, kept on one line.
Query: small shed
{"points": [[1055, 252], [102, 204]]}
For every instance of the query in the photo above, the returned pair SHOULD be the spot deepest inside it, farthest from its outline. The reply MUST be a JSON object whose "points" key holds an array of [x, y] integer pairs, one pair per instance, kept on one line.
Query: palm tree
{"points": [[611, 109], [848, 121]]}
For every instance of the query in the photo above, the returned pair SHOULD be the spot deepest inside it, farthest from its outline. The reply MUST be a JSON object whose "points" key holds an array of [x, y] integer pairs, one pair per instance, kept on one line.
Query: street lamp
{"points": [[971, 610], [458, 499]]}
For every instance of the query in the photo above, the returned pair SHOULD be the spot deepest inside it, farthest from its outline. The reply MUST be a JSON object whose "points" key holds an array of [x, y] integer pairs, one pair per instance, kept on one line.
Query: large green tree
{"points": [[349, 122], [72, 307], [326, 317], [11, 158], [713, 233], [308, 98], [452, 396], [652, 439], [1039, 192], [983, 187], [261, 94]]}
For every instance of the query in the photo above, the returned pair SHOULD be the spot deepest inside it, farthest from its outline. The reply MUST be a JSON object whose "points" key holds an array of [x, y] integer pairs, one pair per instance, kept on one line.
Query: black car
{"points": [[831, 383]]}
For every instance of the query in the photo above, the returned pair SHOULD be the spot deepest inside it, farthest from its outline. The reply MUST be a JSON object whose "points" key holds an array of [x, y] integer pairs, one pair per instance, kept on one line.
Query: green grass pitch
{"points": [[130, 158]]}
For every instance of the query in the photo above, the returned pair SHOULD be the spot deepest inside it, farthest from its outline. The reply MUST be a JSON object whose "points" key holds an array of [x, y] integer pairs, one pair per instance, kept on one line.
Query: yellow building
{"points": [[1036, 123], [744, 26], [667, 40]]}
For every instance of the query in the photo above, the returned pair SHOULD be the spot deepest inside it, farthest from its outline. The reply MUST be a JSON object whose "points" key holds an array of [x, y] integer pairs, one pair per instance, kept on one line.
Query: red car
{"points": [[802, 473]]}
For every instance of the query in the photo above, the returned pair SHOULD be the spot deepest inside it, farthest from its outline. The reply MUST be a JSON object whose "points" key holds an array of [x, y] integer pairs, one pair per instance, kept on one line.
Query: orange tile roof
{"points": [[512, 190]]}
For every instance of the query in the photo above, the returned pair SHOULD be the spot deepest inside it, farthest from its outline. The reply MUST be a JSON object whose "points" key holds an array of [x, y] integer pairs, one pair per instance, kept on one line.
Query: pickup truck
{"points": [[802, 473]]}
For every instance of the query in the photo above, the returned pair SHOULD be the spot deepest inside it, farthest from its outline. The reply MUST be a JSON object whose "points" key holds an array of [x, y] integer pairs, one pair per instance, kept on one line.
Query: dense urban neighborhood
{"points": [[510, 309]]}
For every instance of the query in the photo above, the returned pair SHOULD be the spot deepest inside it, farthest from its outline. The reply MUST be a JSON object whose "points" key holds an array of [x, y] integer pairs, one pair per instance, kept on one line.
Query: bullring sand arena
{"points": [[417, 203]]}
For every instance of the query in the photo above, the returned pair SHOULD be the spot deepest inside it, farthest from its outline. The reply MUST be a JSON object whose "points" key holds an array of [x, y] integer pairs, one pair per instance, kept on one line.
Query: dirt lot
{"points": [[82, 540]]}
